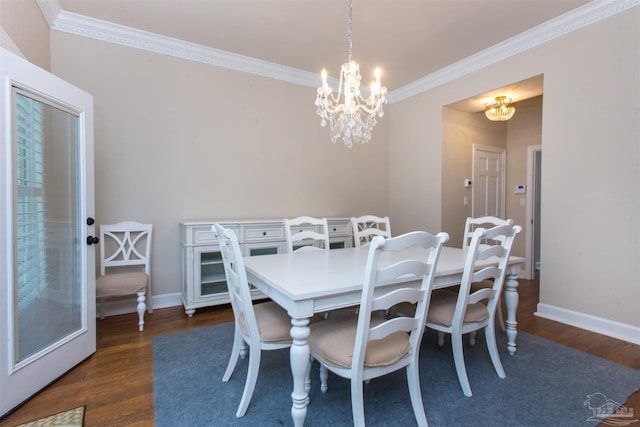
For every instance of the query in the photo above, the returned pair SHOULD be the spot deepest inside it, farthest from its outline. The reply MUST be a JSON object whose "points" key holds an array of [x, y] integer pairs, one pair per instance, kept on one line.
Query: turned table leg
{"points": [[299, 357], [511, 299]]}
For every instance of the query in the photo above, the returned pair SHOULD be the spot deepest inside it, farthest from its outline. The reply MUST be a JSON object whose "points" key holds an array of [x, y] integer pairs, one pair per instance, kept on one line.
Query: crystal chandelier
{"points": [[501, 111], [354, 119]]}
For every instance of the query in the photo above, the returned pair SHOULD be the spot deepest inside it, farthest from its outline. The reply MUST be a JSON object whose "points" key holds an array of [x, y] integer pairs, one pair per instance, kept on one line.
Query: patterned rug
{"points": [[71, 418]]}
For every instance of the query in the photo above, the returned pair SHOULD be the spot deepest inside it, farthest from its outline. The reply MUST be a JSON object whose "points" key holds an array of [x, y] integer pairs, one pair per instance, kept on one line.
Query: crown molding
{"points": [[50, 10], [97, 29], [84, 26], [571, 21]]}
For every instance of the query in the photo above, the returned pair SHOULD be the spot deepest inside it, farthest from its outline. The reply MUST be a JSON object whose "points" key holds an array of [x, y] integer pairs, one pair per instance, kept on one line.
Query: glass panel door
{"points": [[47, 267], [47, 291]]}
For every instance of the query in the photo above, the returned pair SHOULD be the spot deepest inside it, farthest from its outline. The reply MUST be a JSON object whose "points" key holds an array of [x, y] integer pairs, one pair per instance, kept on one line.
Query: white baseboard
{"points": [[128, 305], [591, 323]]}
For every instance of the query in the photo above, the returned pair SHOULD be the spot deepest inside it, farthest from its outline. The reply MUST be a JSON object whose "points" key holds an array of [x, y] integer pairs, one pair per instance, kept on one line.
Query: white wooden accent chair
{"points": [[306, 233], [366, 227], [470, 225], [263, 326], [125, 265], [465, 311], [370, 345]]}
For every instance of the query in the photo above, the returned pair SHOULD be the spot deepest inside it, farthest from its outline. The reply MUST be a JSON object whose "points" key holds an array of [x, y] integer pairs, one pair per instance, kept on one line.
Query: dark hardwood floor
{"points": [[116, 383]]}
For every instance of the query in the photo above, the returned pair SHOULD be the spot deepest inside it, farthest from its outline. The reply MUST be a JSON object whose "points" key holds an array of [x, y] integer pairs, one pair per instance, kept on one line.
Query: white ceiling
{"points": [[408, 39]]}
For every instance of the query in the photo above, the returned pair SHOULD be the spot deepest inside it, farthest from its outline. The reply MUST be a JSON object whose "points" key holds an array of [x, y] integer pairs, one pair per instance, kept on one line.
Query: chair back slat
{"points": [[307, 232], [366, 227], [126, 243], [472, 224]]}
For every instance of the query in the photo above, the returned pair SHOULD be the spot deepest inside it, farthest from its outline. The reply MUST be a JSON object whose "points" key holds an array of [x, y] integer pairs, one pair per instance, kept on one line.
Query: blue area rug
{"points": [[547, 384]]}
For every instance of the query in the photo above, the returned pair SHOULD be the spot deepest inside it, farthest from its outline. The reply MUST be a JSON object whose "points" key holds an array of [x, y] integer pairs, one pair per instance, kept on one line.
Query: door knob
{"points": [[92, 240]]}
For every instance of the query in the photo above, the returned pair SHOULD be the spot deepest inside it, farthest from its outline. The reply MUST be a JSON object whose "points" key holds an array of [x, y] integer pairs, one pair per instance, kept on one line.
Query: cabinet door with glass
{"points": [[210, 274], [207, 284]]}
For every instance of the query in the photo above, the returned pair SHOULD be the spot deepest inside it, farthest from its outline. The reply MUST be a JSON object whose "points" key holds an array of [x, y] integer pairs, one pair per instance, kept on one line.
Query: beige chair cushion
{"points": [[405, 309], [274, 323], [118, 284], [481, 285], [443, 305], [332, 341]]}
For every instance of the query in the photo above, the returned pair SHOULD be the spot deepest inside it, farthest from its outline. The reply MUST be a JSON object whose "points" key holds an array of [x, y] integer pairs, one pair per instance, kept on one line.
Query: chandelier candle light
{"points": [[501, 111], [354, 119]]}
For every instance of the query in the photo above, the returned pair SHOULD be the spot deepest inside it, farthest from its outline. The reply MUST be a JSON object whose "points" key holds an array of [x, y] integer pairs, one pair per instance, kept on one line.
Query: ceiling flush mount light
{"points": [[501, 111], [354, 119]]}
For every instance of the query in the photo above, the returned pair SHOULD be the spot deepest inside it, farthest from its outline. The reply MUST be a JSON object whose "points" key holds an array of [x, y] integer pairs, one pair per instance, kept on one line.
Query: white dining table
{"points": [[310, 282]]}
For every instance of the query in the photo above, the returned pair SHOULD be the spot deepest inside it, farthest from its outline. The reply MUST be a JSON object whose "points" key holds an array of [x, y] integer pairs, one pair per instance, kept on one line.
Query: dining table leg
{"points": [[511, 300], [299, 359]]}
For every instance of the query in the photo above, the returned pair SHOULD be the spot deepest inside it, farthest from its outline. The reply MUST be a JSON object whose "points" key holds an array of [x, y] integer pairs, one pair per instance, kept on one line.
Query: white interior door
{"points": [[488, 181], [47, 276]]}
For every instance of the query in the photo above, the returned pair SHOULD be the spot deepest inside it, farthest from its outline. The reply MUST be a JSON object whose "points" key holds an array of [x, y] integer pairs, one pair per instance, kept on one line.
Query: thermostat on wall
{"points": [[519, 189], [467, 183]]}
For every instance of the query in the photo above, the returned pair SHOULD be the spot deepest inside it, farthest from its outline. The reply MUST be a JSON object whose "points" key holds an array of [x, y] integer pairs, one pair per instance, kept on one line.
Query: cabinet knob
{"points": [[264, 233]]}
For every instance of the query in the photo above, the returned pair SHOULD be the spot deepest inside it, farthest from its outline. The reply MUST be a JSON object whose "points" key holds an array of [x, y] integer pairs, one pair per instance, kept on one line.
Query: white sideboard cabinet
{"points": [[203, 280]]}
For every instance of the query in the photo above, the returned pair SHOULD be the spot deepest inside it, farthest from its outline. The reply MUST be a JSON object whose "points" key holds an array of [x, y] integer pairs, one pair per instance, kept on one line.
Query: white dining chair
{"points": [[125, 265], [263, 326], [370, 345], [481, 222], [366, 227], [306, 233], [470, 225], [466, 311]]}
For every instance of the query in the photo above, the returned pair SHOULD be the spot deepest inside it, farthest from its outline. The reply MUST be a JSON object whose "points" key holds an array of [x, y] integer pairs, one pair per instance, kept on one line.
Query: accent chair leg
{"points": [[357, 401], [324, 376], [141, 308], [250, 384], [490, 335], [458, 358], [235, 354], [413, 380], [440, 339]]}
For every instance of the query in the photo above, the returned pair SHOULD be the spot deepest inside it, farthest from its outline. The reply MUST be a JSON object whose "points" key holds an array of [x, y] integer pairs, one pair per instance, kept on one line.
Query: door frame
{"points": [[532, 208]]}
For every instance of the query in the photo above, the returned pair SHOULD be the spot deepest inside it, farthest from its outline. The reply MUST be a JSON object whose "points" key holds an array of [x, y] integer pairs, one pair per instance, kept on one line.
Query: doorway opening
{"points": [[532, 244], [464, 124]]}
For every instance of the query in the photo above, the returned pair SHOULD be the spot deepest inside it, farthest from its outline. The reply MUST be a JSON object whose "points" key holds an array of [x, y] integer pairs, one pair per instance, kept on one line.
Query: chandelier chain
{"points": [[350, 29]]}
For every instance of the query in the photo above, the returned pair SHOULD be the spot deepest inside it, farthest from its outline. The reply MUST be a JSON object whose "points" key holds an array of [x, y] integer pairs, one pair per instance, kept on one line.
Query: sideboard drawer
{"points": [[200, 234], [338, 228], [204, 235], [260, 233]]}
